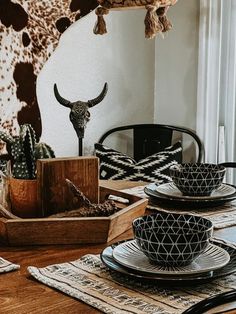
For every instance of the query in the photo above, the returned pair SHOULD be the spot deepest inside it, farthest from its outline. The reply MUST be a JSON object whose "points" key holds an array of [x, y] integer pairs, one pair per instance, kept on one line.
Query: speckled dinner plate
{"points": [[169, 189], [120, 270], [129, 255], [185, 202]]}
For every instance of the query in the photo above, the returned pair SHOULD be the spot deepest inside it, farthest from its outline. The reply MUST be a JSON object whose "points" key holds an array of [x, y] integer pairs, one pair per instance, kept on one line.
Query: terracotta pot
{"points": [[23, 197]]}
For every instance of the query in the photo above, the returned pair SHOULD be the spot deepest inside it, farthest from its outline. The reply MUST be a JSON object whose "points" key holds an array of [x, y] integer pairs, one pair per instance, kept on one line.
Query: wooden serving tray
{"points": [[72, 230]]}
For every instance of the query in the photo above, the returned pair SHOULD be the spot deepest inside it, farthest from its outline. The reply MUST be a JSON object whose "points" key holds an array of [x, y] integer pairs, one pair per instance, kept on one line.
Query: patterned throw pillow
{"points": [[155, 168]]}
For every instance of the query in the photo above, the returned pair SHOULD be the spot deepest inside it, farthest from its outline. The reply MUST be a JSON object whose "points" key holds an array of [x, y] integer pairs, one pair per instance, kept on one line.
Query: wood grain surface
{"points": [[53, 193], [72, 230], [21, 294]]}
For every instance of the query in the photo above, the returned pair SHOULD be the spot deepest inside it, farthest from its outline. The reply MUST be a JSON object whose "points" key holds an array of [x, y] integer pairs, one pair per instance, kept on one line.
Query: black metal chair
{"points": [[147, 139]]}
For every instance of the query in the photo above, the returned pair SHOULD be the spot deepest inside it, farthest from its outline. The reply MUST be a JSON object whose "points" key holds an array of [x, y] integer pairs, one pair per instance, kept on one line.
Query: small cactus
{"points": [[43, 150], [24, 151]]}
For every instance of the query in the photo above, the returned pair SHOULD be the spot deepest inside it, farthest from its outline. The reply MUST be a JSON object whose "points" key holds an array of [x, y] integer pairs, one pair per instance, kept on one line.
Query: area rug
{"points": [[89, 280]]}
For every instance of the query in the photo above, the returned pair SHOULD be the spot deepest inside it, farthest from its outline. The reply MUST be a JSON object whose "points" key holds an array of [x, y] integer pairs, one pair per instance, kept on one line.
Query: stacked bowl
{"points": [[172, 239], [197, 179], [178, 239]]}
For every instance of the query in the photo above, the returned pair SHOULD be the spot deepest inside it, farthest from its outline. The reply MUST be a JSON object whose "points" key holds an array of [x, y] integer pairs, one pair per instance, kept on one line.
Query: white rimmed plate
{"points": [[169, 189], [129, 255]]}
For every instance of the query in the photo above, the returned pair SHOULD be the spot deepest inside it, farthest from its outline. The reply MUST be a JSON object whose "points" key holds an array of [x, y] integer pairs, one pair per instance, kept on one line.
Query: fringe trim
{"points": [[151, 21], [100, 26], [166, 24], [155, 20]]}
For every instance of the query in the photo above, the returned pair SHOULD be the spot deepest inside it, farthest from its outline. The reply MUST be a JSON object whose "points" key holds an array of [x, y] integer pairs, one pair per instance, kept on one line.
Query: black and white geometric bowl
{"points": [[172, 239], [197, 179]]}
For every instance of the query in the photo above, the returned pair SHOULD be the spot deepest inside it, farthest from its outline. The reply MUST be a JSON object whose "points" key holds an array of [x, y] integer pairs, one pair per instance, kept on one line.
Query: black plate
{"points": [[158, 198], [108, 260]]}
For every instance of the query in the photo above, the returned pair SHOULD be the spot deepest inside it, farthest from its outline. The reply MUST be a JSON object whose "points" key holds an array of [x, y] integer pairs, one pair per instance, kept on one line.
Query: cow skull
{"points": [[79, 114]]}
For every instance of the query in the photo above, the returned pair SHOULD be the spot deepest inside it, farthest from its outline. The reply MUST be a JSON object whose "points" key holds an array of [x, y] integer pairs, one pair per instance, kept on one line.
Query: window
{"points": [[216, 113]]}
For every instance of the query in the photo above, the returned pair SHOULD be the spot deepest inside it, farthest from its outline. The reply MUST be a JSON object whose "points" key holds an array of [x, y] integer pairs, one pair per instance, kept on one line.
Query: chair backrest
{"points": [[148, 139]]}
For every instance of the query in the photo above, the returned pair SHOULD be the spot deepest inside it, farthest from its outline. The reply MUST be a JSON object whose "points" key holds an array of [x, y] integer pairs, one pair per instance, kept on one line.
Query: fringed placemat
{"points": [[6, 266], [222, 216], [88, 280]]}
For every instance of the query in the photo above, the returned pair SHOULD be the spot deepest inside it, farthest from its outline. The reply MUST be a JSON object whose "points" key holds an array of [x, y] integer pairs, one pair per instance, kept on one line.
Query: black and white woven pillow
{"points": [[155, 168]]}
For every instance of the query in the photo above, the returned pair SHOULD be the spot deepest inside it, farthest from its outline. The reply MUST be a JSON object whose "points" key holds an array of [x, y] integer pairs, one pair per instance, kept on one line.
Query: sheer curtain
{"points": [[216, 112]]}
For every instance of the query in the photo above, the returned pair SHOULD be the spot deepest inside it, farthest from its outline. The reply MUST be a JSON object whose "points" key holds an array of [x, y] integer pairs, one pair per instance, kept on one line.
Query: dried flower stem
{"points": [[87, 208]]}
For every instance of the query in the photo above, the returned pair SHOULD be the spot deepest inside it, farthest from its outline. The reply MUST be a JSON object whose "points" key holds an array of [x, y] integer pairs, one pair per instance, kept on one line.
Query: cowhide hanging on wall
{"points": [[29, 33]]}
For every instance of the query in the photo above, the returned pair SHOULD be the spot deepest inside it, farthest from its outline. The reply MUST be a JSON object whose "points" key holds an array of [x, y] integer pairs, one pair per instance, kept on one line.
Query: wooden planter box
{"points": [[73, 230], [53, 193]]}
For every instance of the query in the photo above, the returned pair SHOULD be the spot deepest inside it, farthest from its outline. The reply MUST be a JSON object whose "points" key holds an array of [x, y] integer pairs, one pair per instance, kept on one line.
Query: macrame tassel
{"points": [[152, 23], [100, 26], [166, 24]]}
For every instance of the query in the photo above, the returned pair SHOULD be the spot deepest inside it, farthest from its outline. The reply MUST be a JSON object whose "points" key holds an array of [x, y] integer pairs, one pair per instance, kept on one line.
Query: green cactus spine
{"points": [[24, 151], [43, 150]]}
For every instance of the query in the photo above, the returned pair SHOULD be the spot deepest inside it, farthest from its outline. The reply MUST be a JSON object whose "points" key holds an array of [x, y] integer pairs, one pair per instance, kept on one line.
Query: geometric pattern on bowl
{"points": [[172, 239], [197, 179]]}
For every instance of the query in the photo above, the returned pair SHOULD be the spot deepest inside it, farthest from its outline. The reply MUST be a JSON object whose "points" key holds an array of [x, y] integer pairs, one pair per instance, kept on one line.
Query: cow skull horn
{"points": [[60, 99], [98, 99]]}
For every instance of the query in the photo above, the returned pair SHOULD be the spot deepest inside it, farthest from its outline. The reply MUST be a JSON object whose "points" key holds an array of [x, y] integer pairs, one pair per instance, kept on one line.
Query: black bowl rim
{"points": [[221, 168], [176, 214]]}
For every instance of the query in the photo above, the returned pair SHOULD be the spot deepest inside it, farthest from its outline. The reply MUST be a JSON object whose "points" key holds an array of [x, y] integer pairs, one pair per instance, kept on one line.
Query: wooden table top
{"points": [[21, 294]]}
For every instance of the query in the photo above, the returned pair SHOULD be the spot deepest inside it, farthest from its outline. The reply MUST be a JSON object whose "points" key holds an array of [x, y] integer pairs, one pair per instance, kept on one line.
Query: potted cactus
{"points": [[23, 151]]}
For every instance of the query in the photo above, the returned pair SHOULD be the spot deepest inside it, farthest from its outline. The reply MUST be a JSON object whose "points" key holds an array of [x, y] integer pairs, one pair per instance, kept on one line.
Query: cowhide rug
{"points": [[29, 33]]}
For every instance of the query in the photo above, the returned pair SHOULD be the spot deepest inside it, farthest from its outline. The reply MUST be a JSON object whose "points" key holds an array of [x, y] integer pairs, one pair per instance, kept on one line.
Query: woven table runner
{"points": [[6, 266], [89, 280], [222, 216]]}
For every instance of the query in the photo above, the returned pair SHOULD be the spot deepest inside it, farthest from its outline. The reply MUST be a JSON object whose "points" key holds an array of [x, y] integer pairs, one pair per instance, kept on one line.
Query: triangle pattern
{"points": [[172, 239]]}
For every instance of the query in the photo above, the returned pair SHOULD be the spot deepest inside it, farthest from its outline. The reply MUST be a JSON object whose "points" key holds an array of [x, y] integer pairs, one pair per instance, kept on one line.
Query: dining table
{"points": [[21, 293]]}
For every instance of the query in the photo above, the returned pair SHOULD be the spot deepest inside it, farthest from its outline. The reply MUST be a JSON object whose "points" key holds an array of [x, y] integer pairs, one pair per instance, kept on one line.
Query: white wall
{"points": [[80, 66], [176, 67]]}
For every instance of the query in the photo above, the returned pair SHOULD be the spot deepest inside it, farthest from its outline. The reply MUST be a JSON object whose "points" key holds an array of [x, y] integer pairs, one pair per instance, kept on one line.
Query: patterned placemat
{"points": [[88, 280], [6, 266], [222, 216]]}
